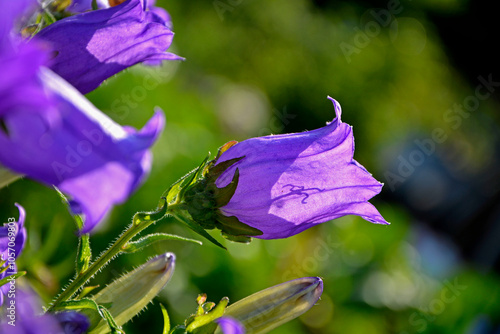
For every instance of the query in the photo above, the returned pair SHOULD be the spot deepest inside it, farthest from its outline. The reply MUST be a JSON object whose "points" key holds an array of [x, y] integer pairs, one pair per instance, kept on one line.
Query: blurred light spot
{"points": [[320, 314], [408, 36], [243, 110]]}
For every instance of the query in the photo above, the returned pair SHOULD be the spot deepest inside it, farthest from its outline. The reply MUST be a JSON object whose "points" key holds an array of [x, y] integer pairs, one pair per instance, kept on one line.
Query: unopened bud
{"points": [[267, 309], [129, 294]]}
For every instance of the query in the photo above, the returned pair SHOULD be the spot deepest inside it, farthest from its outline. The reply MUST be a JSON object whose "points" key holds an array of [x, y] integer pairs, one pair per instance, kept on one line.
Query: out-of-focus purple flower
{"points": [[72, 322], [12, 240], [27, 318], [230, 325], [93, 46], [289, 183], [58, 137]]}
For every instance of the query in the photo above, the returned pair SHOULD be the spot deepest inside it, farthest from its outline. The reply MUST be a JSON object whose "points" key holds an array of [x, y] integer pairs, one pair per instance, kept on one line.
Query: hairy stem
{"points": [[140, 222]]}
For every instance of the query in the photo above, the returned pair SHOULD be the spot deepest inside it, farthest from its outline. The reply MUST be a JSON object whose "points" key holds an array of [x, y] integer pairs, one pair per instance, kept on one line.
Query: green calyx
{"points": [[198, 194]]}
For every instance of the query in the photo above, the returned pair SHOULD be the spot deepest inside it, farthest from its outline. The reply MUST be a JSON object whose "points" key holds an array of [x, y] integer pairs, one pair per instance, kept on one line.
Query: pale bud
{"points": [[129, 294]]}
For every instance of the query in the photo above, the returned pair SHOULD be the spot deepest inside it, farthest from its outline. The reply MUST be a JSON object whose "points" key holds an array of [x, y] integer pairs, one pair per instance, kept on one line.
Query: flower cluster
{"points": [[56, 136], [269, 187]]}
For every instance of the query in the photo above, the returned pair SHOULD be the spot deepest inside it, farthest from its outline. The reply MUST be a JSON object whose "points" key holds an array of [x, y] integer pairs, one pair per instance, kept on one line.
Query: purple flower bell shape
{"points": [[277, 186], [90, 47]]}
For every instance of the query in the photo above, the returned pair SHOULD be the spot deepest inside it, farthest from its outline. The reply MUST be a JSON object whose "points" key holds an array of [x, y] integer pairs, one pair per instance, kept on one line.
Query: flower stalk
{"points": [[140, 222]]}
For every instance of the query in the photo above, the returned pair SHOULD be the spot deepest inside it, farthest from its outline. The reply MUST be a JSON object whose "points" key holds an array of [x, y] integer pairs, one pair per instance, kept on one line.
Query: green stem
{"points": [[140, 222]]}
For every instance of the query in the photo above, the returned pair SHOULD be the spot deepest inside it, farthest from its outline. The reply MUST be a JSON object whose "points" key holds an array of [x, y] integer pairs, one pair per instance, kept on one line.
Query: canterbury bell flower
{"points": [[277, 186], [90, 47], [51, 133]]}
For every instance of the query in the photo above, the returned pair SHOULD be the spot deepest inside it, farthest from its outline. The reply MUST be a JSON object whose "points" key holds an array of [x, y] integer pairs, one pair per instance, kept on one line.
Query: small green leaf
{"points": [[10, 278], [166, 320], [86, 290], [148, 240], [184, 217]]}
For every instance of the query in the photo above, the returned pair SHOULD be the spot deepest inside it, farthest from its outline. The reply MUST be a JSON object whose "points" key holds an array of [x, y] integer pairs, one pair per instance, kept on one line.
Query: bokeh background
{"points": [[418, 82]]}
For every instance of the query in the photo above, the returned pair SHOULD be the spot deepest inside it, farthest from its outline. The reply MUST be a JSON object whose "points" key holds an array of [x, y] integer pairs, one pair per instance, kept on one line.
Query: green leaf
{"points": [[86, 290], [10, 278], [148, 240], [166, 320], [84, 254], [185, 218]]}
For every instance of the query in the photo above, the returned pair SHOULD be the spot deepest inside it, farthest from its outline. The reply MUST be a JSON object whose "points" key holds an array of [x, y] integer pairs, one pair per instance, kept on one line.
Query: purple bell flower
{"points": [[57, 137], [12, 241], [289, 183], [230, 325], [93, 46]]}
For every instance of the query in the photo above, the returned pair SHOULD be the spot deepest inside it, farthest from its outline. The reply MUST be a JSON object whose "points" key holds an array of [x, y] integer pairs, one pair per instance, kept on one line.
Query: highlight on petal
{"points": [[93, 46]]}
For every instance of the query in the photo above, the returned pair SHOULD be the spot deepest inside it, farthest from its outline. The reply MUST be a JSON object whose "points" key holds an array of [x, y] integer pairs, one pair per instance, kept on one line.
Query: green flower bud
{"points": [[129, 294], [272, 307]]}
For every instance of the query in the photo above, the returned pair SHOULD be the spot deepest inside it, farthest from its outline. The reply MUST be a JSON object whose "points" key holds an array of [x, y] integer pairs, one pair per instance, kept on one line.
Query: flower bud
{"points": [[272, 307], [131, 293]]}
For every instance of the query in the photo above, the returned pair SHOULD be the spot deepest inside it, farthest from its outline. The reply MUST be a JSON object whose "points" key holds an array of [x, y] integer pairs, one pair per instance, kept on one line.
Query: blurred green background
{"points": [[259, 67]]}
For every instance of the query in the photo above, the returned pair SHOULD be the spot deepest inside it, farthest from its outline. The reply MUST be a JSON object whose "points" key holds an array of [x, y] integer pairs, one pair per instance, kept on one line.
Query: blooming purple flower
{"points": [[93, 46], [59, 138], [12, 240], [27, 318], [230, 325], [289, 183]]}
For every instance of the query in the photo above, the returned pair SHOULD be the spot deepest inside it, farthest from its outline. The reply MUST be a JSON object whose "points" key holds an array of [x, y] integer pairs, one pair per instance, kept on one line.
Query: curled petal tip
{"points": [[22, 214], [338, 108]]}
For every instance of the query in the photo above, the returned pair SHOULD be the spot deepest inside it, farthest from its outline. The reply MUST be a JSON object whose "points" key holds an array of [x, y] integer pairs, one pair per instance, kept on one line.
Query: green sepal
{"points": [[10, 278], [178, 188], [240, 239], [148, 240], [198, 324], [231, 225], [94, 5], [166, 320], [215, 171], [185, 218], [224, 195]]}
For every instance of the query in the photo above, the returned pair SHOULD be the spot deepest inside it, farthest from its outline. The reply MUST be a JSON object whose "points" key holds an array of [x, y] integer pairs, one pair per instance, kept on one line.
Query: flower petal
{"points": [[93, 46], [291, 182]]}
